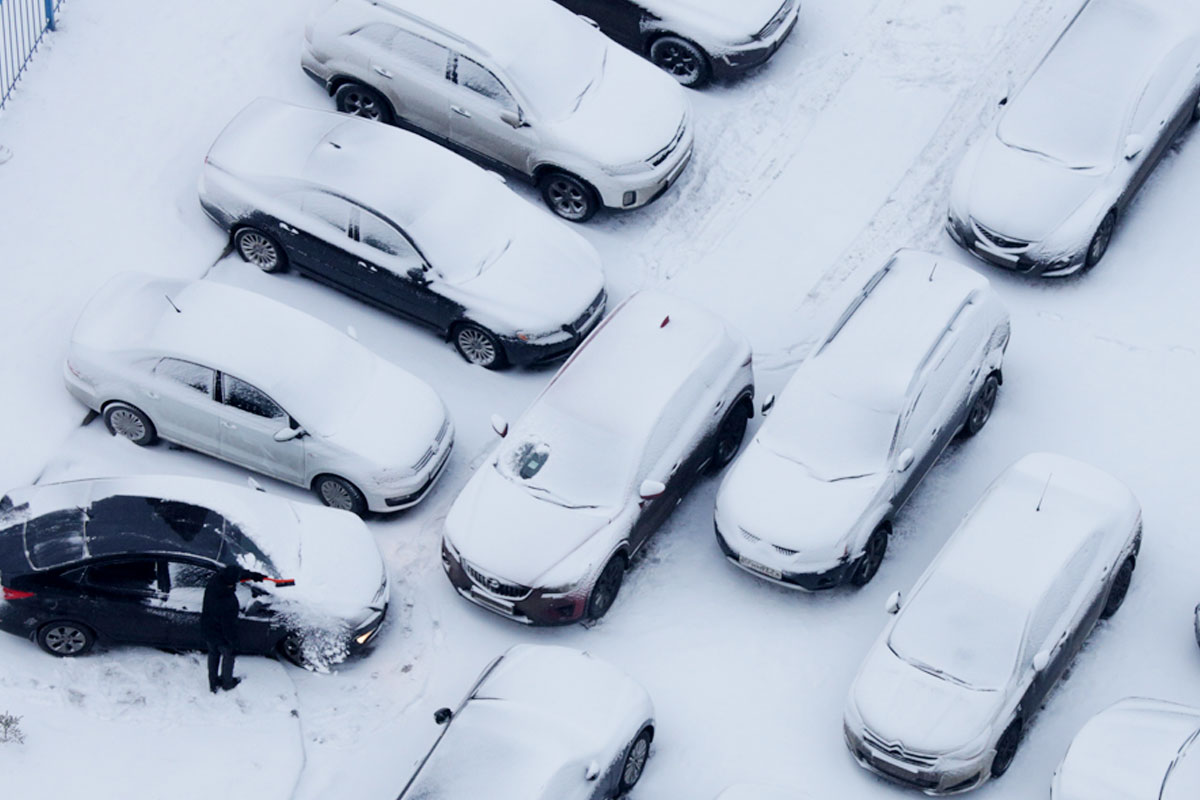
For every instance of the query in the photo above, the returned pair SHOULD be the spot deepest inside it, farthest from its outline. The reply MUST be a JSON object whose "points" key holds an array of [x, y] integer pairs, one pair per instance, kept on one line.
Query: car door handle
{"points": [[367, 266], [288, 228], [153, 395], [229, 425], [462, 112], [384, 71]]}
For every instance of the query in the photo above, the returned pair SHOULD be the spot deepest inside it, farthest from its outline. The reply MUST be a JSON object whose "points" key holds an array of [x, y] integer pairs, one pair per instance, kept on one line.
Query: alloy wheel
{"points": [[127, 424], [360, 104], [1101, 240], [680, 60], [66, 640], [981, 412], [258, 250], [476, 346], [635, 762], [568, 198], [336, 495]]}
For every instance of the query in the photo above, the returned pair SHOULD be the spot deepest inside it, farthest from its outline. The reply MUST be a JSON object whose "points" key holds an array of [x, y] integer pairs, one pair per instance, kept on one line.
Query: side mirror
{"points": [[593, 771], [768, 404], [892, 606], [1003, 101], [417, 276], [650, 490], [287, 434], [1134, 145], [442, 716], [904, 460], [1041, 661], [499, 425], [590, 21], [514, 119]]}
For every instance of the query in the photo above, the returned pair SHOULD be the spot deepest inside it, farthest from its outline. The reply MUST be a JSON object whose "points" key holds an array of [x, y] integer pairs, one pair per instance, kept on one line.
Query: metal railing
{"points": [[23, 23]]}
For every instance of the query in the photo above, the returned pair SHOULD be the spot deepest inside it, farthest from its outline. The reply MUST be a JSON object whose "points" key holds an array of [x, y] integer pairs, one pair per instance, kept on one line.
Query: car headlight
{"points": [[548, 337], [632, 168], [388, 478], [973, 749]]}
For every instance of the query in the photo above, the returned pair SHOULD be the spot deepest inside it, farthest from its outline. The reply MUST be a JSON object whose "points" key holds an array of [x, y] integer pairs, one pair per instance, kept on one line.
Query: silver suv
{"points": [[523, 85]]}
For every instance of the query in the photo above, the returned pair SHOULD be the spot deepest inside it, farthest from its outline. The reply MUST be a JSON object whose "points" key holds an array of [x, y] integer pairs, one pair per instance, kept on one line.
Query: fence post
{"points": [[50, 14]]}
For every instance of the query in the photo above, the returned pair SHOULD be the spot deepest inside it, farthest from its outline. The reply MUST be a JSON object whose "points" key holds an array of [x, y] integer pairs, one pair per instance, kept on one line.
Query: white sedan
{"points": [[249, 380], [1135, 750], [540, 723], [944, 697]]}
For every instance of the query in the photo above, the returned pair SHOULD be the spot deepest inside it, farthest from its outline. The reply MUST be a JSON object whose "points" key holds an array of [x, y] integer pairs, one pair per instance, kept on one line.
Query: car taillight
{"points": [[15, 594]]}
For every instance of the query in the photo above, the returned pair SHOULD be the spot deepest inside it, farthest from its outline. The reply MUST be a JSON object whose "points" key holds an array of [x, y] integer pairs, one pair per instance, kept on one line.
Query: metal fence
{"points": [[23, 23]]}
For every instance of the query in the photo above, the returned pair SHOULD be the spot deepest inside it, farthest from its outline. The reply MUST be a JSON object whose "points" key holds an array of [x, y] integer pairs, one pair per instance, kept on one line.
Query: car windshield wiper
{"points": [[592, 82], [553, 498]]}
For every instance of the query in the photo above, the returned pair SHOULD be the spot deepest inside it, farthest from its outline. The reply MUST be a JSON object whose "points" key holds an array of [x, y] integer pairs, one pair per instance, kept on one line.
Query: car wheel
{"points": [[635, 761], [260, 249], [1006, 748], [130, 423], [981, 409], [479, 346], [291, 650], [682, 60], [872, 557], [1120, 588], [729, 438], [1100, 242], [65, 639], [604, 593], [339, 493], [569, 197], [363, 101], [1196, 111]]}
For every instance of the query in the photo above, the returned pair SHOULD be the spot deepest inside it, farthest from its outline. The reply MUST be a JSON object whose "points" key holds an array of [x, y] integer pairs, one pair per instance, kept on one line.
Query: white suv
{"points": [[524, 85], [913, 361]]}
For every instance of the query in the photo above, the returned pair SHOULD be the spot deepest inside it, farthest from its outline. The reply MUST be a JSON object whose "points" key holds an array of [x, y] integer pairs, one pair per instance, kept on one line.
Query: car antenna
{"points": [[172, 302], [255, 485], [1045, 489], [935, 266]]}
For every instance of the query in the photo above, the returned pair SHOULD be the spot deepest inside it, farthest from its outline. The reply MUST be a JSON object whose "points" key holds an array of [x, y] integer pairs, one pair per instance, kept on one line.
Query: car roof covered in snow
{"points": [[624, 375], [880, 345], [1128, 750], [531, 725], [53, 525]]}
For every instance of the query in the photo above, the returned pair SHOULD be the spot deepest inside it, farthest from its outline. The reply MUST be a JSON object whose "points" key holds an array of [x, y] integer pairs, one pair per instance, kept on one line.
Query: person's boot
{"points": [[232, 684]]}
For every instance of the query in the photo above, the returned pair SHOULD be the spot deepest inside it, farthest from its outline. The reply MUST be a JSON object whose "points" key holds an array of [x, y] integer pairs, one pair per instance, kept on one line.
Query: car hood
{"points": [[504, 530], [631, 112], [1022, 195], [727, 22], [899, 703], [784, 503], [394, 422], [538, 284]]}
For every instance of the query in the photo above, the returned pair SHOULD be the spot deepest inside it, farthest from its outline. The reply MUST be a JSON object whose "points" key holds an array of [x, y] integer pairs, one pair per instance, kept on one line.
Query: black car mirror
{"points": [[442, 716], [417, 276]]}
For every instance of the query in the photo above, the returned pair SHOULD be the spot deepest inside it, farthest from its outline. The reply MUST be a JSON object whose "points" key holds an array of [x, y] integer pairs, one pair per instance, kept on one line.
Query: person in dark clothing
{"points": [[219, 624]]}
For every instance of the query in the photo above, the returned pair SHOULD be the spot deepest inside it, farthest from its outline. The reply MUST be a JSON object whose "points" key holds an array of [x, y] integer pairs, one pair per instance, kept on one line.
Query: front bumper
{"points": [[387, 501], [365, 634], [738, 60], [524, 354], [965, 237], [626, 192], [819, 580], [937, 779], [525, 605]]}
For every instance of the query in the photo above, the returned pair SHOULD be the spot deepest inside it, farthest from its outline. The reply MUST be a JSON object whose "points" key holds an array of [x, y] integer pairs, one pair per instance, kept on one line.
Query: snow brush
{"points": [[280, 582]]}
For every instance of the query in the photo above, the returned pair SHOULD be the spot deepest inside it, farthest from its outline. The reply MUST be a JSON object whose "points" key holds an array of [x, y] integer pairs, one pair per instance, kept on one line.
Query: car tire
{"points": [[129, 422], [66, 638], [635, 761], [1119, 589], [981, 410], [359, 100], [260, 249], [479, 346], [1006, 748], [568, 196], [607, 586], [729, 438], [684, 61], [1100, 240], [868, 563], [339, 493]]}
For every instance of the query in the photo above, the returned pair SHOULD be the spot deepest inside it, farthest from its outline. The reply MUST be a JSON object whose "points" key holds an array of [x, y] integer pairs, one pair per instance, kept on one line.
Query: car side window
{"points": [[1063, 599], [327, 208], [185, 575], [380, 234], [244, 397], [479, 79], [420, 51], [379, 34], [188, 374], [1168, 80], [136, 576]]}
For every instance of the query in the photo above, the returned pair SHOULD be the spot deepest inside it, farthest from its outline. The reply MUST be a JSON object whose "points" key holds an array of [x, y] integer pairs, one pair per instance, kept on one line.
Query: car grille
{"points": [[783, 551], [777, 20], [665, 153], [748, 536], [437, 442], [898, 751], [1003, 242], [581, 324], [495, 586]]}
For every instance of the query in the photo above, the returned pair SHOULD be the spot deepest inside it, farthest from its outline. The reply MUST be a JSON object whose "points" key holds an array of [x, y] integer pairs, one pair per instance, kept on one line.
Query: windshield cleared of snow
{"points": [[832, 437], [961, 633]]}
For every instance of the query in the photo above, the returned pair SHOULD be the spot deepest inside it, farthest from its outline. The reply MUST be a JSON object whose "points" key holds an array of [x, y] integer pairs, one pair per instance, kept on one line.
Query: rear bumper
{"points": [[821, 580]]}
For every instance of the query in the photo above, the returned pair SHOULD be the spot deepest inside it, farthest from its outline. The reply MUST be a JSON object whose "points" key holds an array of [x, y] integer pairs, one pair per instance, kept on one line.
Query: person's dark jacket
{"points": [[219, 613]]}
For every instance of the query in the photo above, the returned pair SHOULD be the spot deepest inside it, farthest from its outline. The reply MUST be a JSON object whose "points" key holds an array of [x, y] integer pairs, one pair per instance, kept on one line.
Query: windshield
{"points": [[346, 369], [832, 437], [566, 462], [556, 72], [960, 632], [1073, 126], [1183, 778], [482, 207]]}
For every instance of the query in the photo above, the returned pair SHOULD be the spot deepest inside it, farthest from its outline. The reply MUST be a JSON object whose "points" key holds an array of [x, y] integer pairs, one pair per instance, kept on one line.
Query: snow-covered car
{"points": [[1137, 749], [401, 223], [246, 379], [126, 560], [658, 395], [1042, 191], [747, 791], [540, 723], [694, 40], [523, 85], [945, 695], [914, 361]]}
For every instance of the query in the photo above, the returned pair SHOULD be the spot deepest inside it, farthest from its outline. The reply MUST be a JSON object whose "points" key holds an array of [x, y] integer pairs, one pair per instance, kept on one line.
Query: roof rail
{"points": [[857, 302], [386, 5]]}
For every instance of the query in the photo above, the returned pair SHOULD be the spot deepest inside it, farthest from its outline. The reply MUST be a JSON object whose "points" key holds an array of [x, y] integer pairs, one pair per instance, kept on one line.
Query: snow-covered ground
{"points": [[806, 175]]}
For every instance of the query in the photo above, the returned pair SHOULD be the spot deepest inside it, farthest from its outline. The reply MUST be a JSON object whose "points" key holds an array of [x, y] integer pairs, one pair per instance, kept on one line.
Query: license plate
{"points": [[491, 602], [761, 569]]}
